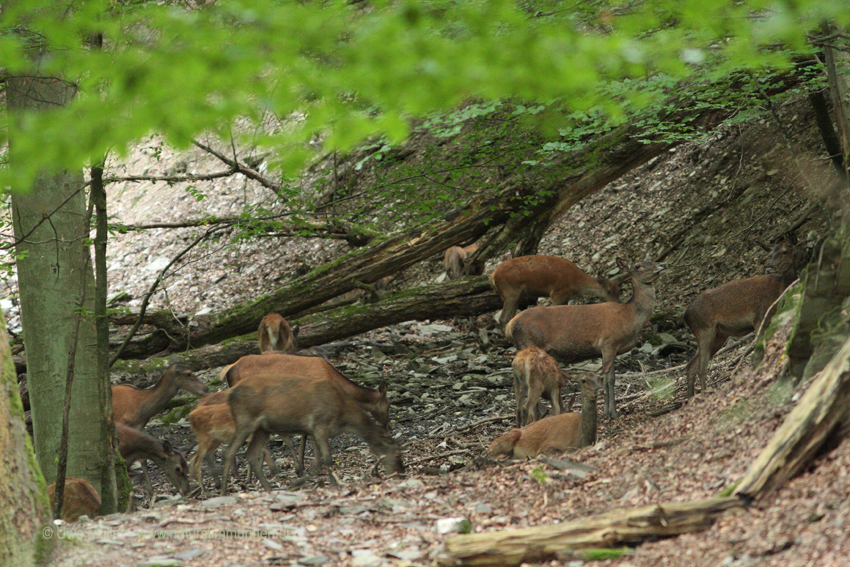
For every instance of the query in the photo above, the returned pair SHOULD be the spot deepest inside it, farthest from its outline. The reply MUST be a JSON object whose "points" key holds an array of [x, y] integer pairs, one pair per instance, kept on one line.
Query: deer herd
{"points": [[290, 392]]}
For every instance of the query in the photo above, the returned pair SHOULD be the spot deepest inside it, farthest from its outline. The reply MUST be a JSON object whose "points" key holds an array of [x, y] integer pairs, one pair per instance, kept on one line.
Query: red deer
{"points": [[276, 334], [536, 375], [212, 424], [288, 404], [530, 277], [136, 445], [79, 499], [573, 333], [735, 309], [556, 433], [374, 402], [134, 407], [455, 258]]}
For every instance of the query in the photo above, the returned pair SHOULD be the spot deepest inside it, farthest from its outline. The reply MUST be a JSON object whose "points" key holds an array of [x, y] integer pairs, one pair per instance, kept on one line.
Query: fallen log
{"points": [[620, 527]]}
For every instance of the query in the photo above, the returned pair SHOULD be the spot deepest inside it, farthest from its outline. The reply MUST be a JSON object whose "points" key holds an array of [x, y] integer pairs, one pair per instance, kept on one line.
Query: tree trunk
{"points": [[621, 527], [23, 493], [828, 283], [54, 272]]}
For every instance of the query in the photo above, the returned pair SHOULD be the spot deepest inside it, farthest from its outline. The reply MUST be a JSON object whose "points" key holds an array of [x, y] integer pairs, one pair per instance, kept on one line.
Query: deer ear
{"points": [[166, 447], [623, 264], [382, 388]]}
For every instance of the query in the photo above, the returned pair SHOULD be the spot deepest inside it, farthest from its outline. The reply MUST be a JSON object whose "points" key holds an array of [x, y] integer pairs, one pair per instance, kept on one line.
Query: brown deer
{"points": [[556, 433], [79, 499], [276, 334], [536, 375], [374, 402], [573, 333], [735, 309], [136, 445], [455, 258], [288, 404], [530, 277], [134, 407], [212, 425]]}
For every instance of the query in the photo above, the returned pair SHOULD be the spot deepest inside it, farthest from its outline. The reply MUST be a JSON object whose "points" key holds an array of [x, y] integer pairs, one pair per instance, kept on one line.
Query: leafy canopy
{"points": [[342, 72]]}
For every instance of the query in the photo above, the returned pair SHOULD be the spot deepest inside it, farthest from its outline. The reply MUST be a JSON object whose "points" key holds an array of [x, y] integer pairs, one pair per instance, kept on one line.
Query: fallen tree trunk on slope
{"points": [[467, 296], [617, 528]]}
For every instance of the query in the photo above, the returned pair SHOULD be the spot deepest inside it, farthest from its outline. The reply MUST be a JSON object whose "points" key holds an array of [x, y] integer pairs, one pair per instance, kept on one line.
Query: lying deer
{"points": [[573, 333], [288, 404], [79, 499], [556, 433], [735, 309], [455, 258], [134, 407], [536, 375], [530, 277], [136, 445]]}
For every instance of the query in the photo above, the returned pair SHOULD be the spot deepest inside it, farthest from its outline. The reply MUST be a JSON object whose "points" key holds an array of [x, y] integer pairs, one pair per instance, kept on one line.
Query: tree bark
{"points": [[50, 231], [23, 492], [621, 527]]}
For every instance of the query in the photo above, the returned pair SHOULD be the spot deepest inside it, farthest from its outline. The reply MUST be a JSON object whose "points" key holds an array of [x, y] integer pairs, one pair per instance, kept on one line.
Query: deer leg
{"points": [[148, 485], [520, 401], [254, 456], [508, 310], [554, 396], [230, 455], [531, 409], [608, 384]]}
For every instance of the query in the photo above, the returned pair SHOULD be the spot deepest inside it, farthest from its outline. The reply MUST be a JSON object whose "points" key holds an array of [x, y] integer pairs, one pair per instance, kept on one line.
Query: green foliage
{"points": [[605, 554], [340, 73], [539, 475]]}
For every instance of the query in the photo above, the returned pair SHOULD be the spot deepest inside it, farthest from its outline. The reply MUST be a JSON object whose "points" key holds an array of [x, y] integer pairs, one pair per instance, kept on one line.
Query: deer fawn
{"points": [[555, 433], [573, 333], [530, 277], [735, 309], [134, 407], [79, 499], [536, 375], [455, 258], [287, 404], [136, 445]]}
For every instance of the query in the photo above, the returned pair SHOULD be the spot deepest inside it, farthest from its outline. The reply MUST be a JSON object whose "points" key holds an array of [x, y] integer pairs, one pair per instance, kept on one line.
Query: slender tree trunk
{"points": [[23, 493], [52, 245]]}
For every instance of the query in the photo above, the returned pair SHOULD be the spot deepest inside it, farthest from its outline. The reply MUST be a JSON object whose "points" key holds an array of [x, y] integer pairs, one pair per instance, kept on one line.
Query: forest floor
{"points": [[698, 209]]}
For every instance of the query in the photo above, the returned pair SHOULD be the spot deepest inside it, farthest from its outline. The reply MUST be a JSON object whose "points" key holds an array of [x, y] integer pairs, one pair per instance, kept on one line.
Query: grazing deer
{"points": [[536, 375], [573, 333], [530, 277], [735, 309], [79, 499], [455, 258], [556, 433], [288, 404], [134, 407], [136, 445], [212, 425], [374, 402], [276, 334]]}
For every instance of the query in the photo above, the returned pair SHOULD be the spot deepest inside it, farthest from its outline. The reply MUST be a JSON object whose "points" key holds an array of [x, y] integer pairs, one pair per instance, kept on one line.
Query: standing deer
{"points": [[454, 260], [573, 333], [536, 375], [530, 277], [262, 405], [134, 407], [555, 433], [735, 309], [275, 333], [136, 445]]}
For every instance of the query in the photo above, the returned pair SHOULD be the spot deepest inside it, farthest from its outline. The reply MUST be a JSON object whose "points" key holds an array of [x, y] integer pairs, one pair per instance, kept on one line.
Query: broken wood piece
{"points": [[628, 526]]}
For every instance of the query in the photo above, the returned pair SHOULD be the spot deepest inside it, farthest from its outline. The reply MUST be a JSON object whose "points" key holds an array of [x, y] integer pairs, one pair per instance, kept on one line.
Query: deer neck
{"points": [[156, 398], [587, 425], [643, 301]]}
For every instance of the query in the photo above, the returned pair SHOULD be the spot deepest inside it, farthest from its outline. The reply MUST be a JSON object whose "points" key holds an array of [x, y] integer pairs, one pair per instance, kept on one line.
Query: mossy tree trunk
{"points": [[55, 279], [23, 493]]}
